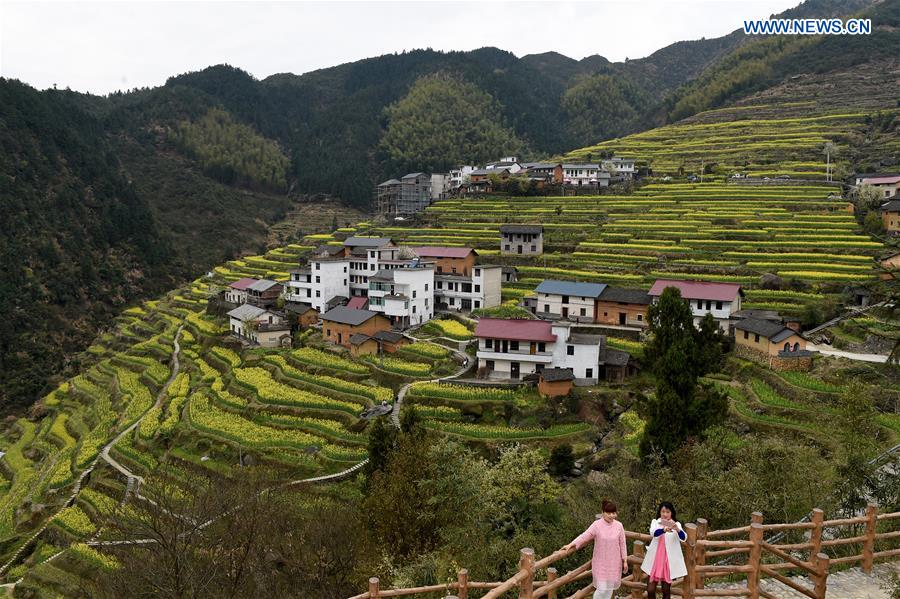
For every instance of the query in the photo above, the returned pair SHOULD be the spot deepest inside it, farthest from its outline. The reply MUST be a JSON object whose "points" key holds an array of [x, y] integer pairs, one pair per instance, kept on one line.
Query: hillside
{"points": [[294, 413]]}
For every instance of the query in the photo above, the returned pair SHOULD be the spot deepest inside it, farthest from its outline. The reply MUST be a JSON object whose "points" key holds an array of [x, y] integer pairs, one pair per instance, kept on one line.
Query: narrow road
{"points": [[464, 359], [104, 453], [826, 350]]}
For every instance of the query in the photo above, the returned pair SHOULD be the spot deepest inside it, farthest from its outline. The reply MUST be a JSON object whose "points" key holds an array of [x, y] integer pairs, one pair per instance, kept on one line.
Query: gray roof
{"points": [[358, 338], [576, 288], [246, 312], [263, 285], [625, 296], [892, 206], [585, 339], [611, 356], [521, 228], [585, 165], [390, 182], [552, 375], [384, 274], [757, 314], [774, 331], [413, 175], [297, 307], [388, 336], [345, 315], [331, 250], [335, 301], [370, 242], [540, 164]]}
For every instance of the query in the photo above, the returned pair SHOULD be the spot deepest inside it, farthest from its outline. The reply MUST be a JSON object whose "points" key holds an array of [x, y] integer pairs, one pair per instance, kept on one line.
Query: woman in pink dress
{"points": [[664, 561], [610, 559]]}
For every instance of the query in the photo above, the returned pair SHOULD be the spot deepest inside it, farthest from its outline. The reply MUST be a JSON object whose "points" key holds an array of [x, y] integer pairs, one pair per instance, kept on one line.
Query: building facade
{"points": [[404, 295], [771, 343], [623, 307], [719, 299], [890, 216], [341, 323], [568, 300], [523, 240], [460, 284]]}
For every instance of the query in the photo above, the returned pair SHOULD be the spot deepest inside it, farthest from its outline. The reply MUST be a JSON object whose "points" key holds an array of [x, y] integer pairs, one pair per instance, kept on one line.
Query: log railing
{"points": [[742, 554]]}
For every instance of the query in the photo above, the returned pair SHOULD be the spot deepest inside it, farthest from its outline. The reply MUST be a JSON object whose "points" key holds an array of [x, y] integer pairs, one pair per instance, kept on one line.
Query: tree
{"points": [[712, 345], [561, 460], [681, 408], [856, 424], [381, 441]]}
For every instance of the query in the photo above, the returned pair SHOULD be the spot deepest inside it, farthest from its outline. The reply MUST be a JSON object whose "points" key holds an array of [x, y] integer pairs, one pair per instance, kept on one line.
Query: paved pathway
{"points": [[846, 584], [826, 350]]}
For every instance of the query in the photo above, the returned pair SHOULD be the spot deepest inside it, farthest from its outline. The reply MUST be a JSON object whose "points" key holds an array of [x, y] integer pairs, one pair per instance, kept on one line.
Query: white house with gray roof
{"points": [[404, 295], [522, 240], [568, 300]]}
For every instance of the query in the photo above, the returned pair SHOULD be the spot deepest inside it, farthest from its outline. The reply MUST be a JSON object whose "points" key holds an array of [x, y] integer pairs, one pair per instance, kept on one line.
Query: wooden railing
{"points": [[736, 553]]}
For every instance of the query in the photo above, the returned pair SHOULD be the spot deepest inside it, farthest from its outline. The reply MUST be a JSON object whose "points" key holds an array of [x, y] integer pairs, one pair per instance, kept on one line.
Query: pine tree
{"points": [[381, 441]]}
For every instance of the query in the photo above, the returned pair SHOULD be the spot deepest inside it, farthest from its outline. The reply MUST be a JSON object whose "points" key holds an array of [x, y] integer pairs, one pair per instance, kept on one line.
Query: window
{"points": [[718, 305], [345, 282], [439, 285], [542, 347], [787, 346], [414, 294], [477, 303], [452, 301], [514, 345], [318, 293], [756, 338], [546, 307], [426, 286], [414, 310], [796, 346], [640, 317], [328, 332], [746, 334], [345, 270], [709, 304], [588, 373], [489, 364], [318, 266], [453, 268], [507, 247], [565, 299], [318, 279], [308, 292], [488, 343], [477, 288], [570, 350], [426, 302], [477, 272], [534, 248], [583, 312]]}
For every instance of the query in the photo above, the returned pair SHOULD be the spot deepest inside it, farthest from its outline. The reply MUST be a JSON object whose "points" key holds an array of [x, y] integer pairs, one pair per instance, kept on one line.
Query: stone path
{"points": [[846, 584], [464, 359]]}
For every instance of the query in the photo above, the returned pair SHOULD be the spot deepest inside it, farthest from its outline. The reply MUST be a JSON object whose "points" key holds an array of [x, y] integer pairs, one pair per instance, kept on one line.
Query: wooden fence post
{"points": [[373, 588], [551, 576], [700, 550], [815, 535], [821, 583], [756, 537], [869, 546], [462, 583], [690, 581], [636, 572], [526, 562], [756, 518]]}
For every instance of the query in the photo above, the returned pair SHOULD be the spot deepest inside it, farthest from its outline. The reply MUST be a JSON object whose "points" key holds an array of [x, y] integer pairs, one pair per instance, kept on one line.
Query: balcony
{"points": [[516, 356]]}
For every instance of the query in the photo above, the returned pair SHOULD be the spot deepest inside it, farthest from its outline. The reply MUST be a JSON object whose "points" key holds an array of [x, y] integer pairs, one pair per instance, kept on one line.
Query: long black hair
{"points": [[666, 504]]}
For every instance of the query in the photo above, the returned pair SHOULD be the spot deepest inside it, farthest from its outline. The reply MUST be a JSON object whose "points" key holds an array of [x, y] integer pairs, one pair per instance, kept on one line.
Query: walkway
{"points": [[826, 351], [847, 584]]}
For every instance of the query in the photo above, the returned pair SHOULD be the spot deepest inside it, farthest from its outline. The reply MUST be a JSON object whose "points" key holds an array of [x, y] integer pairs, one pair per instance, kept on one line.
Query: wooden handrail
{"points": [[701, 544]]}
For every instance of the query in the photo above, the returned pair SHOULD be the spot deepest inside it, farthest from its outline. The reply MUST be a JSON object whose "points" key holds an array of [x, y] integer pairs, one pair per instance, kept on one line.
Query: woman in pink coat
{"points": [[610, 559]]}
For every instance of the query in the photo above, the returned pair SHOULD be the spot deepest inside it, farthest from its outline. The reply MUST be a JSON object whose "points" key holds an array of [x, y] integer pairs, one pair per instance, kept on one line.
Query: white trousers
{"points": [[603, 594]]}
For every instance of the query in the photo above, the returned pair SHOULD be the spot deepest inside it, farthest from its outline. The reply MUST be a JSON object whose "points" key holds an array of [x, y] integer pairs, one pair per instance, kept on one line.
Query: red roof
{"points": [[242, 284], [705, 290], [515, 329], [357, 303], [881, 180], [442, 252]]}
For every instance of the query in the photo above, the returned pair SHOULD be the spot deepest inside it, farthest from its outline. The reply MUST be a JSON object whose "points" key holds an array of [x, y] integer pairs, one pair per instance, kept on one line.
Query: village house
{"points": [[508, 349], [888, 184], [509, 163], [381, 342], [387, 197], [771, 343], [568, 300], [555, 382], [526, 240], [510, 274], [264, 293], [460, 284], [890, 216], [304, 315], [584, 174], [623, 307], [551, 172], [415, 194], [619, 167], [340, 323], [460, 176], [719, 299], [260, 326], [236, 293], [404, 295]]}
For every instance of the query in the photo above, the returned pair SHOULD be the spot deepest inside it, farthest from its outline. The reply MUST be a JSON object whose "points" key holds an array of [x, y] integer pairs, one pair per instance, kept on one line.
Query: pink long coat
{"points": [[609, 552]]}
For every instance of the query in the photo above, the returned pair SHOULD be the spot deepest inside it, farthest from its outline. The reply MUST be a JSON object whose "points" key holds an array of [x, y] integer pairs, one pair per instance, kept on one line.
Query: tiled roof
{"points": [[576, 288], [388, 336], [371, 242], [625, 296], [720, 292], [885, 180], [521, 228], [263, 285], [357, 303], [242, 284], [553, 375], [773, 331], [246, 312], [584, 339], [441, 252], [298, 307], [345, 315], [358, 338], [892, 206], [515, 329], [614, 357]]}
